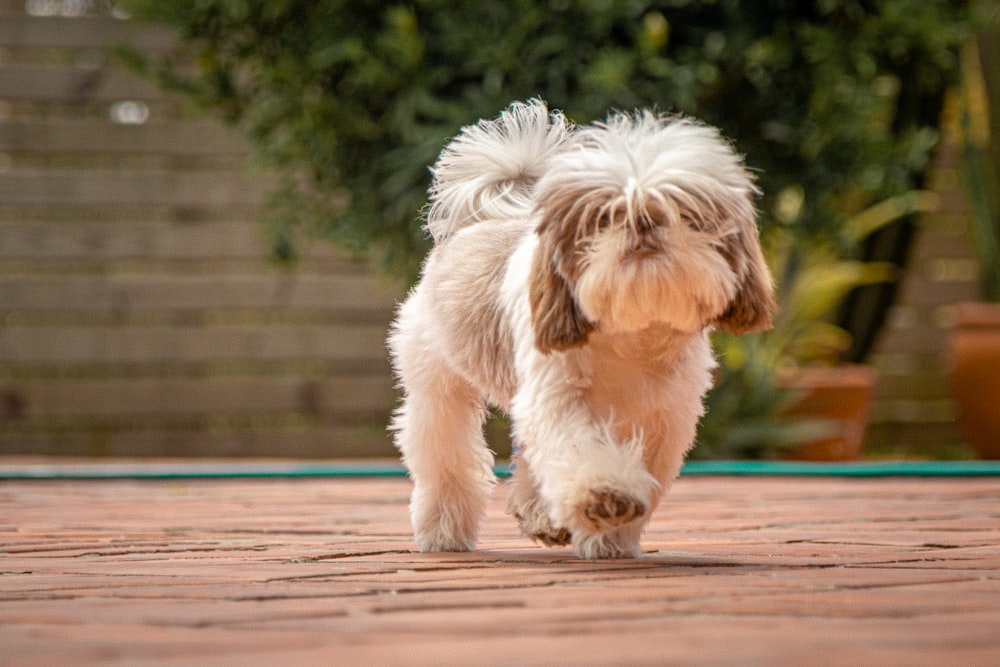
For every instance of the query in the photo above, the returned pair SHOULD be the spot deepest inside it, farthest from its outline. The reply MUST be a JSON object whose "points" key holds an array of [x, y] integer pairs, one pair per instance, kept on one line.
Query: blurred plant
{"points": [[835, 103], [746, 409], [979, 123], [350, 100]]}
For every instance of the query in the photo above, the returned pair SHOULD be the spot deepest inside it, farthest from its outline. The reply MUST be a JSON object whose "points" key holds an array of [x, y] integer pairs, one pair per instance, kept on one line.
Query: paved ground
{"points": [[739, 571]]}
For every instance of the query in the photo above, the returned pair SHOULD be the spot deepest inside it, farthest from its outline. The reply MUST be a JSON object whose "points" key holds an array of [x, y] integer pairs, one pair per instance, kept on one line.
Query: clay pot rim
{"points": [[977, 314], [844, 375]]}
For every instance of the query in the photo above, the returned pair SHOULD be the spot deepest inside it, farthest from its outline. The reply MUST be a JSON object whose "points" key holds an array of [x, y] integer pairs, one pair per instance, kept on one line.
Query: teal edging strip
{"points": [[191, 470], [237, 470], [863, 469]]}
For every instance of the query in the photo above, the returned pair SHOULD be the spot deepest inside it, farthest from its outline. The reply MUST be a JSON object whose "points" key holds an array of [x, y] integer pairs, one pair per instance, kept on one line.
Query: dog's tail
{"points": [[489, 170]]}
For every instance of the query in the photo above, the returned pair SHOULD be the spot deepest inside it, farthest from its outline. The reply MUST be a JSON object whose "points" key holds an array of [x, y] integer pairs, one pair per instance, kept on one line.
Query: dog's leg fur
{"points": [[621, 542], [531, 512], [594, 486], [439, 433], [587, 481]]}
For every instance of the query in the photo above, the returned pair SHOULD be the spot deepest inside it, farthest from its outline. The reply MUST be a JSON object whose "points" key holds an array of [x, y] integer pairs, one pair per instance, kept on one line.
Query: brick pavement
{"points": [[739, 571]]}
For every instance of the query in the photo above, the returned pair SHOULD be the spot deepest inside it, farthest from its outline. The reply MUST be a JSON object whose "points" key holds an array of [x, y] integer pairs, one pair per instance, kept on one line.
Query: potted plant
{"points": [[784, 391], [974, 347]]}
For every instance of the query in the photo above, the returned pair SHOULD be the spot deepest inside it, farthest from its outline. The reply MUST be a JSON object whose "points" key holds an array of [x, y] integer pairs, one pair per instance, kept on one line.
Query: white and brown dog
{"points": [[576, 274]]}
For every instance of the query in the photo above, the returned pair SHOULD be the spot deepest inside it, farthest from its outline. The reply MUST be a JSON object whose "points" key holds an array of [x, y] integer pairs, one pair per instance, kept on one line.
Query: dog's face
{"points": [[645, 221]]}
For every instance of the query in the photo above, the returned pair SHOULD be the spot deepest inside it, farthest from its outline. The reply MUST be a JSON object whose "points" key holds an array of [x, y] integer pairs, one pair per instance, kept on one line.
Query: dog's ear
{"points": [[753, 308], [555, 317]]}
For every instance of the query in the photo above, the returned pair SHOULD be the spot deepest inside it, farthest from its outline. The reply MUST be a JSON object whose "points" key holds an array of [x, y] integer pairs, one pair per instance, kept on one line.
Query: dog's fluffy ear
{"points": [[555, 317], [753, 308]]}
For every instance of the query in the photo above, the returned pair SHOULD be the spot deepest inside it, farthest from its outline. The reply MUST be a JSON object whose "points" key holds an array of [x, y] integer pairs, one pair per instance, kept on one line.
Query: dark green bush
{"points": [[835, 104], [351, 100]]}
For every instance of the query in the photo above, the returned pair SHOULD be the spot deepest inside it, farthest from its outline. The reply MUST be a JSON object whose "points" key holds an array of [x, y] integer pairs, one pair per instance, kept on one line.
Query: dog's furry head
{"points": [[646, 219]]}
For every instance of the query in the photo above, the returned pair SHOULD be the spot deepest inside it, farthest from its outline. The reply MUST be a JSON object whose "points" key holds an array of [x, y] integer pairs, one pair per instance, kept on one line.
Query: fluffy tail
{"points": [[489, 170]]}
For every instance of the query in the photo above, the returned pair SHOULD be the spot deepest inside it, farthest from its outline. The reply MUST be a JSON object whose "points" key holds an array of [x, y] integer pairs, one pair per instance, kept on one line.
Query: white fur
{"points": [[653, 207]]}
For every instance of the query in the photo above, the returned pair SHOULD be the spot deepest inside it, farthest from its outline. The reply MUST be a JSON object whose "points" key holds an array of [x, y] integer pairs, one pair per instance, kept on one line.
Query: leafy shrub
{"points": [[351, 100], [835, 104]]}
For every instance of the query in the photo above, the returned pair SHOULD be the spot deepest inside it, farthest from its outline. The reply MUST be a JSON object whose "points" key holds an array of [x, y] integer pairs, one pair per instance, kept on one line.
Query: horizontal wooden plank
{"points": [[77, 84], [931, 383], [914, 411], [919, 340], [918, 291], [331, 441], [912, 437], [121, 293], [131, 238], [152, 344], [111, 187], [198, 240], [937, 242], [94, 136], [131, 397], [290, 367], [137, 214], [81, 32]]}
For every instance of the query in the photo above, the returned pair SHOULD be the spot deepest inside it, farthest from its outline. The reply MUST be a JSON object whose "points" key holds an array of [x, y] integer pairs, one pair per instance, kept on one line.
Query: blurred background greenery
{"points": [[837, 105]]}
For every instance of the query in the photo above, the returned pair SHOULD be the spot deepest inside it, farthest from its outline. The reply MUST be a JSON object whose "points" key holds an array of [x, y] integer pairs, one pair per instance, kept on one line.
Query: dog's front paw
{"points": [[444, 531], [607, 508]]}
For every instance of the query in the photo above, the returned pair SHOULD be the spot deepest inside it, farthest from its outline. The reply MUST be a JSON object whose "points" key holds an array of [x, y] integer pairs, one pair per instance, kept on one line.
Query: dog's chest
{"points": [[625, 386], [629, 378]]}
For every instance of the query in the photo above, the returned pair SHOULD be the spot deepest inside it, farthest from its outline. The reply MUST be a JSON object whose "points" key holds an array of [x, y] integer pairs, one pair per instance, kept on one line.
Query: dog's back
{"points": [[484, 176], [462, 290]]}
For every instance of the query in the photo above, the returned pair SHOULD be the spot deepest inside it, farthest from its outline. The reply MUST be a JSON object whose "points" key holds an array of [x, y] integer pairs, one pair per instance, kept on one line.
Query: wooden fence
{"points": [[138, 313], [914, 410], [138, 316]]}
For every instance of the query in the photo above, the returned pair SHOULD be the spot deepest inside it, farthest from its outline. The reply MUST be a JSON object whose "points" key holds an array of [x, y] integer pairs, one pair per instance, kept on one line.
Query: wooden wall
{"points": [[138, 315], [914, 411]]}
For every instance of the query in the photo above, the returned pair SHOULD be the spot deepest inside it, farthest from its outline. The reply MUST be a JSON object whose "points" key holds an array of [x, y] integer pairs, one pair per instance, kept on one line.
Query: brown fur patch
{"points": [[466, 284], [555, 317], [557, 320], [753, 308]]}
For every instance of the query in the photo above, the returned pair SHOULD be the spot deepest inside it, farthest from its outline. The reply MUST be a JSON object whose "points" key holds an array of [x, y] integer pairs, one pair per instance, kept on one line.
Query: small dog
{"points": [[576, 274]]}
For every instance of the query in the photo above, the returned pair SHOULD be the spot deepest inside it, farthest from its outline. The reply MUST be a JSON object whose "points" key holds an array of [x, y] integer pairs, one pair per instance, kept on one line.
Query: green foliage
{"points": [[352, 100], [746, 409], [835, 104], [742, 412], [979, 123]]}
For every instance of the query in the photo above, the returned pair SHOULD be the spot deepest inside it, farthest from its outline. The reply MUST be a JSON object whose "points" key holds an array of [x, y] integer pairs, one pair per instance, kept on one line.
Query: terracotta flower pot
{"points": [[974, 361], [840, 396]]}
